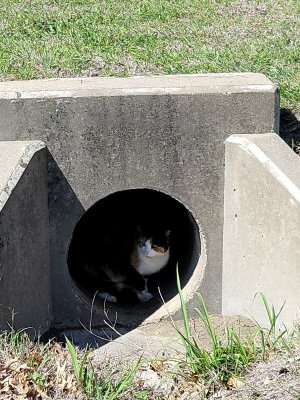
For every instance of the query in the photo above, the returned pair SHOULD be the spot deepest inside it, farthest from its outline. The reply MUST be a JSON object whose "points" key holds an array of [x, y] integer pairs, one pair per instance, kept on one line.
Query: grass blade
{"points": [[74, 360]]}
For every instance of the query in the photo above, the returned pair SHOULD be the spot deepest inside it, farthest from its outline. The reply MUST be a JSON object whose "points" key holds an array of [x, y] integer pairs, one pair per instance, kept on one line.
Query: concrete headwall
{"points": [[25, 284], [110, 134], [261, 227]]}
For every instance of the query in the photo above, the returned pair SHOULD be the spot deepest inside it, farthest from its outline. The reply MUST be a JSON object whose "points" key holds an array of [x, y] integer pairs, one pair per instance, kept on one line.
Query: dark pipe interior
{"points": [[115, 216]]}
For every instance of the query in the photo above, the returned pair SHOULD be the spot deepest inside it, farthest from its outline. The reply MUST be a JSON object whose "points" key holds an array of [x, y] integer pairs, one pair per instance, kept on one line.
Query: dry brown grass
{"points": [[30, 370], [36, 371]]}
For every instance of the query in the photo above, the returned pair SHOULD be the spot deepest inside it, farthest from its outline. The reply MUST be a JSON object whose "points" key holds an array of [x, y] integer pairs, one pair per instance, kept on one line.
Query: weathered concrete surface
{"points": [[161, 339], [261, 227], [139, 85], [109, 134], [25, 286]]}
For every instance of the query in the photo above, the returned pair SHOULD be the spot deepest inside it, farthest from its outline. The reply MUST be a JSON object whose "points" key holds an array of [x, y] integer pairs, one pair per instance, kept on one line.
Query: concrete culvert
{"points": [[108, 228]]}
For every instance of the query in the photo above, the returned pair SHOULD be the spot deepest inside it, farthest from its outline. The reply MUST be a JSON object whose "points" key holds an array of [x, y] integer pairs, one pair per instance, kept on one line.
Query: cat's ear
{"points": [[138, 229], [168, 233]]}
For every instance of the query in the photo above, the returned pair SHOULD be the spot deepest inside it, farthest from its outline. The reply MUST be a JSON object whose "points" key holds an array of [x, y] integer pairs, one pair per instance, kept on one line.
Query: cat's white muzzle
{"points": [[147, 249], [151, 261]]}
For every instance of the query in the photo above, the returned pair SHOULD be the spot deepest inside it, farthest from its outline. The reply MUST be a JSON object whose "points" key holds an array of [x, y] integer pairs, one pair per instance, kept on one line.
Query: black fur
{"points": [[103, 243]]}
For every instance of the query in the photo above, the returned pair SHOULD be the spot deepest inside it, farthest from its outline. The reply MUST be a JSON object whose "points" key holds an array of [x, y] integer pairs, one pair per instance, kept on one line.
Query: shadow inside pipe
{"points": [[108, 227], [289, 129]]}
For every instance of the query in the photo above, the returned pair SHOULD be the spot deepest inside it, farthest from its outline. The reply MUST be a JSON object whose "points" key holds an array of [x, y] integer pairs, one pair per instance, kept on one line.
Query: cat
{"points": [[126, 262], [149, 255]]}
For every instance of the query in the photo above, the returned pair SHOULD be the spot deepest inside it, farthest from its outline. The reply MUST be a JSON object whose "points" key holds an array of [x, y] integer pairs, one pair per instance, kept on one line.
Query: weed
{"points": [[224, 360], [269, 336], [227, 358], [18, 341], [94, 387]]}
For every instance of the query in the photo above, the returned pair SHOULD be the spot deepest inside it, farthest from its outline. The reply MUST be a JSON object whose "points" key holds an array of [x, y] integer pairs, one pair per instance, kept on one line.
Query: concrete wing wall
{"points": [[25, 286], [261, 227]]}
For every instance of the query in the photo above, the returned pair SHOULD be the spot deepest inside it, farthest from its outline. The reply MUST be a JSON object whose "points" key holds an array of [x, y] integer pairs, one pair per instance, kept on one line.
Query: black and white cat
{"points": [[124, 262], [149, 255], [126, 246]]}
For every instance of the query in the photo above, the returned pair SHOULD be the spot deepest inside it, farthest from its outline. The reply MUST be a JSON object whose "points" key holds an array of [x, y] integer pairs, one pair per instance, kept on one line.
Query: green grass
{"points": [[43, 38], [228, 357], [92, 386], [31, 369]]}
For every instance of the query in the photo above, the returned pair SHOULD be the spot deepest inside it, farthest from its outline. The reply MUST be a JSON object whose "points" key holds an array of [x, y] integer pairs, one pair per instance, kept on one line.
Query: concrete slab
{"points": [[25, 286], [261, 227], [161, 339], [10, 153], [226, 83], [149, 341]]}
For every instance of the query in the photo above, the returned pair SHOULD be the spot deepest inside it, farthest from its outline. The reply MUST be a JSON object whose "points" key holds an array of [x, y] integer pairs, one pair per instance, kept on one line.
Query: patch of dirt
{"points": [[276, 379], [243, 7]]}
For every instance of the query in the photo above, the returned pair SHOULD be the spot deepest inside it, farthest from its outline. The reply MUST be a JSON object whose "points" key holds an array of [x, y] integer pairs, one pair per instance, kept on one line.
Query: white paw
{"points": [[144, 296], [108, 297]]}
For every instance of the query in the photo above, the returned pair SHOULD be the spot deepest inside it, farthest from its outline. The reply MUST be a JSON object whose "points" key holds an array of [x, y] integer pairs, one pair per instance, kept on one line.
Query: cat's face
{"points": [[155, 246]]}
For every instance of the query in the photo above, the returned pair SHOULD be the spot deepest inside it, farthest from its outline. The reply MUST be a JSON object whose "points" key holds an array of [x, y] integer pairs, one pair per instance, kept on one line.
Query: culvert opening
{"points": [[104, 252]]}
